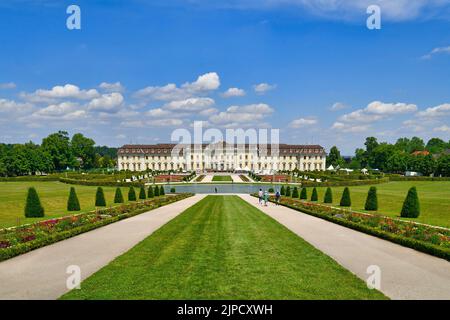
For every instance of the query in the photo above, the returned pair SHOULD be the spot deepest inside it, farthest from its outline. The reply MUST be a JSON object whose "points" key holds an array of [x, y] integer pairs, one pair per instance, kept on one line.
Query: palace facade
{"points": [[221, 157]]}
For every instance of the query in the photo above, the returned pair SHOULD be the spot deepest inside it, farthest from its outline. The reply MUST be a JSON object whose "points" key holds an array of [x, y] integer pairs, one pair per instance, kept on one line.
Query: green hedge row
{"points": [[100, 183], [22, 248], [402, 178], [407, 242], [344, 183], [30, 178]]}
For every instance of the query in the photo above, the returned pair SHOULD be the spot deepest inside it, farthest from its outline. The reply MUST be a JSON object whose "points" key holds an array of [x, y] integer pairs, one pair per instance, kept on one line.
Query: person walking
{"points": [[260, 196], [277, 197], [266, 197]]}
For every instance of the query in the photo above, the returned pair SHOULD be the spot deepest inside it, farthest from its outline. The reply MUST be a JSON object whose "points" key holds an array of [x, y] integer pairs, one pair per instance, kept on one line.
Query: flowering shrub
{"points": [[21, 239], [426, 238]]}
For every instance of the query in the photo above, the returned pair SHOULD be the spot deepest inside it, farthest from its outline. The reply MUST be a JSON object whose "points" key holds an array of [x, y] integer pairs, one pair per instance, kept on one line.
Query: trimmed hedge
{"points": [[418, 245], [100, 198], [7, 253], [328, 196], [161, 191], [100, 183], [131, 194], [314, 195], [411, 206], [282, 191], [156, 191], [295, 193], [344, 183], [33, 207], [118, 197], [304, 194], [346, 201], [72, 203], [372, 200], [150, 193], [402, 178], [288, 191], [142, 195]]}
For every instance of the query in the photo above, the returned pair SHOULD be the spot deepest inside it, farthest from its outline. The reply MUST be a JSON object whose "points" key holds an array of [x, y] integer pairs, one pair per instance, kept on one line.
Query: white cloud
{"points": [[302, 122], [360, 116], [112, 87], [158, 113], [260, 108], [60, 92], [11, 107], [57, 110], [106, 103], [443, 128], [263, 87], [248, 115], [434, 112], [8, 85], [381, 108], [233, 92], [435, 51], [204, 83], [338, 106], [189, 105], [348, 128]]}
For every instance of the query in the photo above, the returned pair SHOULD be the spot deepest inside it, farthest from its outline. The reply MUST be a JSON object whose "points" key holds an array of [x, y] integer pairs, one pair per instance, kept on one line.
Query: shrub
{"points": [[142, 194], [345, 200], [73, 204], [118, 197], [156, 191], [33, 207], [372, 200], [150, 193], [304, 194], [100, 198], [271, 190], [328, 196], [411, 206], [288, 191], [172, 190], [282, 191], [314, 195], [161, 190], [131, 194], [295, 193]]}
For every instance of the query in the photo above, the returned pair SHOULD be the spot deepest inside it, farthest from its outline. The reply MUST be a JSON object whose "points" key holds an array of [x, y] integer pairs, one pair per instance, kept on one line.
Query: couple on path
{"points": [[263, 196]]}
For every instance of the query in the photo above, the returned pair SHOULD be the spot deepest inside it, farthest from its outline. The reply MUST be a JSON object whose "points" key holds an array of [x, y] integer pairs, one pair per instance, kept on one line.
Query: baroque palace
{"points": [[265, 159]]}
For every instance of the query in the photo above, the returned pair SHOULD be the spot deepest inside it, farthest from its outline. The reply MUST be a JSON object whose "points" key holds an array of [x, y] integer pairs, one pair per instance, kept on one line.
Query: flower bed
{"points": [[18, 240], [429, 239], [244, 178]]}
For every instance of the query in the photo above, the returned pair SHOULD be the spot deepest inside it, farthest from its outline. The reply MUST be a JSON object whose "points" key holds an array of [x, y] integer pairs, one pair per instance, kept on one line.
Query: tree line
{"points": [[404, 155], [56, 153]]}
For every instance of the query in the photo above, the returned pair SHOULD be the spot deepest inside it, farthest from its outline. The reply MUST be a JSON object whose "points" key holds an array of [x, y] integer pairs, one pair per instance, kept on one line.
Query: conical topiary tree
{"points": [[156, 191], [142, 195], [72, 203], [345, 200], [372, 200], [295, 193], [100, 198], [33, 207], [161, 191], [282, 191], [118, 197], [150, 193], [411, 206], [304, 194], [314, 195], [131, 194], [288, 191], [328, 196]]}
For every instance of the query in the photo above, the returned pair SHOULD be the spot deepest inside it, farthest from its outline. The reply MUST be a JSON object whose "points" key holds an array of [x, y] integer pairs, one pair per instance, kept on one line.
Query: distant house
{"points": [[421, 153]]}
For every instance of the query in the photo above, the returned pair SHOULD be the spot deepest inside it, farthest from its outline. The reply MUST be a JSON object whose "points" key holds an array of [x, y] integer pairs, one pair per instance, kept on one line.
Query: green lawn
{"points": [[434, 199], [223, 248], [222, 179], [53, 197]]}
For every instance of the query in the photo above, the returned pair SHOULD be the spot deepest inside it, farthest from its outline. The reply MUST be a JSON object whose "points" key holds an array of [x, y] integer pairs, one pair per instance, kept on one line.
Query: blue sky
{"points": [[137, 70]]}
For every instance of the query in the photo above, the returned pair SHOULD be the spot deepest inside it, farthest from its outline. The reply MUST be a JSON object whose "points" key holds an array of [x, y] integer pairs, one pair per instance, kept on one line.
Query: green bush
{"points": [[161, 190], [271, 190], [73, 204], [33, 207], [328, 196], [411, 206], [304, 194], [282, 191], [100, 198], [156, 191], [131, 194], [372, 200], [150, 193], [295, 193], [118, 197], [288, 191], [314, 195], [172, 190], [345, 200], [142, 194]]}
